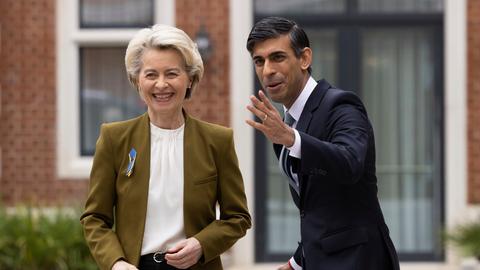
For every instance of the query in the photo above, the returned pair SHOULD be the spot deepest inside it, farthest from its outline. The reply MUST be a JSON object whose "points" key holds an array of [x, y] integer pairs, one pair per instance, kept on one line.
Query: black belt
{"points": [[154, 261]]}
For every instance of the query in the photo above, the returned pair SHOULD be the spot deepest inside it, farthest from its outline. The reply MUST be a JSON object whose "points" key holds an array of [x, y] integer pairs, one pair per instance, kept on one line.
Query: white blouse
{"points": [[164, 221]]}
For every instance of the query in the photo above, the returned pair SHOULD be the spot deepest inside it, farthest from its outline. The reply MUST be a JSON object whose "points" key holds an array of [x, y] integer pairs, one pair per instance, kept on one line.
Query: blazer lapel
{"points": [[140, 141], [312, 104]]}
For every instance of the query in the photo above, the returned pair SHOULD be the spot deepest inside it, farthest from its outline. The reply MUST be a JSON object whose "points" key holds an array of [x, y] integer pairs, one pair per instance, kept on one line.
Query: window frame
{"points": [[70, 38], [349, 25]]}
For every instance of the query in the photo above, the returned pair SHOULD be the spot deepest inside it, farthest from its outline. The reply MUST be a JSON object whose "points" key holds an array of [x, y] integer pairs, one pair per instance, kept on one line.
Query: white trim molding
{"points": [[455, 118], [241, 87], [70, 164]]}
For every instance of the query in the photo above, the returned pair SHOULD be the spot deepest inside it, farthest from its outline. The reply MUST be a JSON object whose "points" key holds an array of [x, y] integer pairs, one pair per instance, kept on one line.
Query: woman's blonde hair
{"points": [[161, 37]]}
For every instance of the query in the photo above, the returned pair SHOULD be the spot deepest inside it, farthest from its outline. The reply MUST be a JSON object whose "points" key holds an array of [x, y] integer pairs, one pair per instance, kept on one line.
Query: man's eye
{"points": [[258, 62], [278, 58]]}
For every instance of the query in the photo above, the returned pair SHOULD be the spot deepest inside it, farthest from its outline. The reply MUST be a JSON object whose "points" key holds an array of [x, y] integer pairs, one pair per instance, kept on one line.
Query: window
{"points": [[400, 6], [299, 6], [106, 95], [400, 92], [92, 85], [390, 53], [116, 13]]}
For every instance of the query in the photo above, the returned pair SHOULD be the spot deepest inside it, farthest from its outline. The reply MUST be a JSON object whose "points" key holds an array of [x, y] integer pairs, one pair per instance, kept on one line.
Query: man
{"points": [[327, 151]]}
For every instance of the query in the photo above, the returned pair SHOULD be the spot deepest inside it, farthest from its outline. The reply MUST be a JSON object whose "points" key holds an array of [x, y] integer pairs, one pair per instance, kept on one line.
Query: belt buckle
{"points": [[158, 257]]}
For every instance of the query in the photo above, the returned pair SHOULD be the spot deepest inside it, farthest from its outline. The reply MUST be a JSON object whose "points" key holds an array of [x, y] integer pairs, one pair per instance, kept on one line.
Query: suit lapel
{"points": [[312, 104]]}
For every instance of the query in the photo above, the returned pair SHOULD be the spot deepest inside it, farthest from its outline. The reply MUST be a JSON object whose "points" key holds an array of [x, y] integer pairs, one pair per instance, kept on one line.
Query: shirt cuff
{"points": [[294, 265], [296, 148]]}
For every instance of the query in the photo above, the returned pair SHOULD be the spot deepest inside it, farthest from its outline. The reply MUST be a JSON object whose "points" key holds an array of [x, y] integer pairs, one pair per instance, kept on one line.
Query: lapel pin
{"points": [[131, 161]]}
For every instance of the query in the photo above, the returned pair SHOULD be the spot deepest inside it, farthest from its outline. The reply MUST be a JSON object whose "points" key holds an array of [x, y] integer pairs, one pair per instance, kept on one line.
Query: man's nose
{"points": [[268, 68]]}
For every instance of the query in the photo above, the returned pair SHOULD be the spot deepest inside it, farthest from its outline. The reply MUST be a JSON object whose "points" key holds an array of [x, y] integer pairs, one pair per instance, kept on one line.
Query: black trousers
{"points": [[147, 263]]}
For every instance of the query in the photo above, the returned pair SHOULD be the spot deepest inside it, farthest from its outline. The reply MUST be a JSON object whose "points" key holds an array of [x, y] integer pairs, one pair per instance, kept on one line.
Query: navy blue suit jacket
{"points": [[342, 225]]}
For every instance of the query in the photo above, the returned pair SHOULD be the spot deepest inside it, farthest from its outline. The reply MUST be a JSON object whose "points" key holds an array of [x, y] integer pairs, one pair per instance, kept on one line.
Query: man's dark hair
{"points": [[273, 27]]}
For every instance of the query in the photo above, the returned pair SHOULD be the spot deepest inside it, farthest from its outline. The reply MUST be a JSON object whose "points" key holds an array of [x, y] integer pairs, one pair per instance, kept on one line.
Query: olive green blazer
{"points": [[115, 210]]}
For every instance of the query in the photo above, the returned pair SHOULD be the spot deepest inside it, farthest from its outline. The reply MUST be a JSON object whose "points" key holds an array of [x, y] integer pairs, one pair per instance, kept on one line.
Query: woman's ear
{"points": [[306, 58]]}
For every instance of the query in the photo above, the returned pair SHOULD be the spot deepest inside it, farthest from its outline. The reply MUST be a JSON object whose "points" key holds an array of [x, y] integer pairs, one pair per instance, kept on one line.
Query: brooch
{"points": [[131, 161]]}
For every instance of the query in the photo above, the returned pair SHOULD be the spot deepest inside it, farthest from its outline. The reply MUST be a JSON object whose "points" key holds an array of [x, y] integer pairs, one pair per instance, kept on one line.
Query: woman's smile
{"points": [[163, 97]]}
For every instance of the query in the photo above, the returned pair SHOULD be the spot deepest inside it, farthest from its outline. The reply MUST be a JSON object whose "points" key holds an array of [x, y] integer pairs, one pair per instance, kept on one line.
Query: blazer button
{"points": [[302, 214]]}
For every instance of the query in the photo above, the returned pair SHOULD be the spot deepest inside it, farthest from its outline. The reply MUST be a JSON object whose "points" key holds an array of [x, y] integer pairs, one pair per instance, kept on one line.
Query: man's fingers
{"points": [[258, 113], [265, 106], [284, 267], [256, 125], [265, 100], [258, 103]]}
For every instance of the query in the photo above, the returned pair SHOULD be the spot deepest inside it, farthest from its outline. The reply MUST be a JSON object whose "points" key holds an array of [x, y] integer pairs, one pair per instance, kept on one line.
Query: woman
{"points": [[156, 179]]}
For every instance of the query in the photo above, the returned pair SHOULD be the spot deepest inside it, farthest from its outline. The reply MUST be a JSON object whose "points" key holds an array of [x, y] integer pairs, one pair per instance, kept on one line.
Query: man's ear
{"points": [[306, 58]]}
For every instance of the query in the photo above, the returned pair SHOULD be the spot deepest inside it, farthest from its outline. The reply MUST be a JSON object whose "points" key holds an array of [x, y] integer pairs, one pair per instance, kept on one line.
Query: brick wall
{"points": [[28, 95], [473, 100], [28, 108], [211, 101]]}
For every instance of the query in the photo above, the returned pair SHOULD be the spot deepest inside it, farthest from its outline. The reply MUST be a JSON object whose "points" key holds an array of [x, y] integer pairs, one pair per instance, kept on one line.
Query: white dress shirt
{"points": [[296, 149], [164, 222], [296, 111]]}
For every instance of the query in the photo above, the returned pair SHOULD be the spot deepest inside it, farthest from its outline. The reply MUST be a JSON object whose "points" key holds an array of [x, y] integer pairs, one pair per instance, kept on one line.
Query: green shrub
{"points": [[467, 238], [41, 241]]}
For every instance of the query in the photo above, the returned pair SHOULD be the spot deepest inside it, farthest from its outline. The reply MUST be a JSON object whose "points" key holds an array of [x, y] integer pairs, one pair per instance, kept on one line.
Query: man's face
{"points": [[280, 72]]}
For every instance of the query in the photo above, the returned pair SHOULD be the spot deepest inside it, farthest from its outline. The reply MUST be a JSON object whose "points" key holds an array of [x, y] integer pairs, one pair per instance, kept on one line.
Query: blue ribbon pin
{"points": [[132, 156]]}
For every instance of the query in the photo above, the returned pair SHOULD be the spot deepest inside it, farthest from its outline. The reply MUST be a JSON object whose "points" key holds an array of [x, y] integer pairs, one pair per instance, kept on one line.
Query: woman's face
{"points": [[163, 81]]}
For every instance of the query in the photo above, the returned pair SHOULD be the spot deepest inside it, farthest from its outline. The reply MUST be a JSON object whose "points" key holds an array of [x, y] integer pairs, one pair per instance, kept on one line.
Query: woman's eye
{"points": [[172, 75], [150, 75]]}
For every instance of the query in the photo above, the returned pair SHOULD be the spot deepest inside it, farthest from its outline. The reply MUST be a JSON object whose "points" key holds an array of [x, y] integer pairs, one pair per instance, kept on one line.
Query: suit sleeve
{"points": [[297, 257], [235, 219], [98, 217], [342, 157]]}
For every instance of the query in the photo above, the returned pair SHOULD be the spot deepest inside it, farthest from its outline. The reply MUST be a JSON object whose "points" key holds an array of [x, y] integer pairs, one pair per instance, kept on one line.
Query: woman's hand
{"points": [[184, 254], [123, 265]]}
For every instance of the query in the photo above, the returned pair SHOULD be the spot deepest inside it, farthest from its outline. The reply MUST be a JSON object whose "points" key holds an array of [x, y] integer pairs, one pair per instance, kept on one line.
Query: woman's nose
{"points": [[161, 83]]}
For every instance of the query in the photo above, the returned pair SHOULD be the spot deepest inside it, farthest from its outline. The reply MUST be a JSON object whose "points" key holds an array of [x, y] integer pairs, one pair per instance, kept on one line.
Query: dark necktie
{"points": [[285, 160]]}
